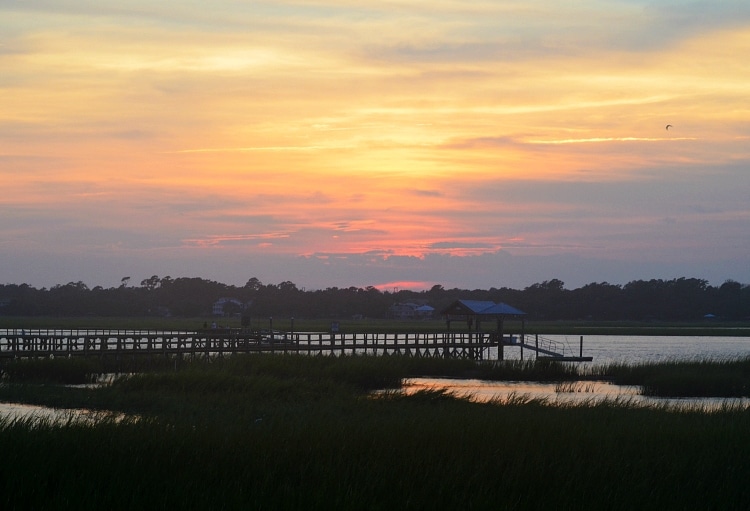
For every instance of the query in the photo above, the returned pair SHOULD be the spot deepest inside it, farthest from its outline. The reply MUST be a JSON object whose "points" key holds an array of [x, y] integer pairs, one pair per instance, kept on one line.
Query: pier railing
{"points": [[31, 343], [65, 343]]}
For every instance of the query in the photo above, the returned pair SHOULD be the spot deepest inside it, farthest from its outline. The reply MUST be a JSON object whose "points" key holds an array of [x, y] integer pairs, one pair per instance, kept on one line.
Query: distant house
{"points": [[424, 312], [161, 311], [402, 310], [410, 310], [227, 306]]}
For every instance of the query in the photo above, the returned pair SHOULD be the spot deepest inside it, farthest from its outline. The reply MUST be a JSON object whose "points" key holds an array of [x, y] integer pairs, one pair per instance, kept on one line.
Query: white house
{"points": [[410, 310], [218, 308]]}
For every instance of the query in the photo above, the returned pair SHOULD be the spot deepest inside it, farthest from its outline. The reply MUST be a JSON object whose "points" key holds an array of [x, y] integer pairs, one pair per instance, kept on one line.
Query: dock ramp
{"points": [[549, 349]]}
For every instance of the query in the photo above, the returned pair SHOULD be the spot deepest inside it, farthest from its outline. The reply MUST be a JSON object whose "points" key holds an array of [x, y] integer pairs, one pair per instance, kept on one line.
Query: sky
{"points": [[399, 144]]}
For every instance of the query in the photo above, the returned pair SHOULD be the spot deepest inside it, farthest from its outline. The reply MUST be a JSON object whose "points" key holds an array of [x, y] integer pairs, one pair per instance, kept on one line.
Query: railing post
{"points": [[580, 352], [500, 346]]}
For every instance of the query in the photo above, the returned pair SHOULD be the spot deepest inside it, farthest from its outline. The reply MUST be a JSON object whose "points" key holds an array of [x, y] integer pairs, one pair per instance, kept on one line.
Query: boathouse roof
{"points": [[481, 308]]}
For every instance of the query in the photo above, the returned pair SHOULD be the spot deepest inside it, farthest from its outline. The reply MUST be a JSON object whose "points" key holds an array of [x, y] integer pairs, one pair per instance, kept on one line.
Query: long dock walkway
{"points": [[31, 343]]}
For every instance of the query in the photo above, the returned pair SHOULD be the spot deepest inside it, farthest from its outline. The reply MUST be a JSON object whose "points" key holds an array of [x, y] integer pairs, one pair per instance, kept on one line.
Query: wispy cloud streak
{"points": [[448, 131]]}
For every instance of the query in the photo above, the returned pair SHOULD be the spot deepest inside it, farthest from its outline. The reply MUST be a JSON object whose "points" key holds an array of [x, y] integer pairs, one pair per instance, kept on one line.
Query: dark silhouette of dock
{"points": [[35, 343]]}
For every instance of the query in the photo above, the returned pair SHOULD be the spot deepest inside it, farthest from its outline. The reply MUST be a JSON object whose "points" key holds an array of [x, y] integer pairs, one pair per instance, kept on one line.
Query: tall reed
{"points": [[701, 378], [285, 433]]}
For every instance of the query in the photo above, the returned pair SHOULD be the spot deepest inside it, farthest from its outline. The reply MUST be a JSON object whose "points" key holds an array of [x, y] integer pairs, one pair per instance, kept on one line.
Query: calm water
{"points": [[32, 412], [569, 393], [604, 349], [22, 411], [638, 349], [35, 413]]}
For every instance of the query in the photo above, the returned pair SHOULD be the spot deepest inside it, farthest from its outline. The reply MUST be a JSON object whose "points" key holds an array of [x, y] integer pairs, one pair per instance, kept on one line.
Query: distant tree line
{"points": [[677, 299]]}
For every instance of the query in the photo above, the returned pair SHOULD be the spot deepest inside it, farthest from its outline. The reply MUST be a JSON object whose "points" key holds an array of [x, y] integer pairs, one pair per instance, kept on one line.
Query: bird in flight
{"points": [[669, 126]]}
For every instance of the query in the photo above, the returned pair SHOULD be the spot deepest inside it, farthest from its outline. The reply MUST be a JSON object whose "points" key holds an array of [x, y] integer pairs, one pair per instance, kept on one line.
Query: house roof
{"points": [[481, 308], [224, 300], [503, 309]]}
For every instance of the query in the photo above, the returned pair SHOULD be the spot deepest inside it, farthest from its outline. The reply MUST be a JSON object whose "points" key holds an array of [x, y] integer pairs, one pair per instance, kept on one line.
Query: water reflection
{"points": [[33, 413], [566, 393], [640, 349]]}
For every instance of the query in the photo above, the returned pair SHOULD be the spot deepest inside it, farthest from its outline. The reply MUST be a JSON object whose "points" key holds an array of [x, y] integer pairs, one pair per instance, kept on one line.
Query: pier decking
{"points": [[30, 343]]}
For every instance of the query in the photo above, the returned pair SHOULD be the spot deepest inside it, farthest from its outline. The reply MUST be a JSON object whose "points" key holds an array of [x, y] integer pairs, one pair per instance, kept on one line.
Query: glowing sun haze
{"points": [[331, 143]]}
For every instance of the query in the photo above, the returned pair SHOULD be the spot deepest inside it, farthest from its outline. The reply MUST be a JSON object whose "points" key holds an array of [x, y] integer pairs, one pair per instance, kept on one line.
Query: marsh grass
{"points": [[529, 370], [575, 387], [295, 432], [316, 450], [702, 378], [46, 370]]}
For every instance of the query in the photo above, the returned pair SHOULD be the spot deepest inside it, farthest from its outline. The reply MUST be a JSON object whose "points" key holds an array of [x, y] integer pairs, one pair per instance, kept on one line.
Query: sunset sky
{"points": [[395, 143]]}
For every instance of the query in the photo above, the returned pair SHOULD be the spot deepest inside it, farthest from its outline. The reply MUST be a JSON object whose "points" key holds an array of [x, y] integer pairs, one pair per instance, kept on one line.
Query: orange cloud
{"points": [[393, 128]]}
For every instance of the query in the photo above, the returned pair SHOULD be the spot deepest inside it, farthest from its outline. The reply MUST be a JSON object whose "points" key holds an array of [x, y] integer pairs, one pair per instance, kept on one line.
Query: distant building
{"points": [[410, 310], [161, 311], [424, 312], [228, 306]]}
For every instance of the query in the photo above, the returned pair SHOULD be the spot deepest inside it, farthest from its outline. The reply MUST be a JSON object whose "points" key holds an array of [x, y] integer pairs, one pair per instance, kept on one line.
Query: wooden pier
{"points": [[30, 343]]}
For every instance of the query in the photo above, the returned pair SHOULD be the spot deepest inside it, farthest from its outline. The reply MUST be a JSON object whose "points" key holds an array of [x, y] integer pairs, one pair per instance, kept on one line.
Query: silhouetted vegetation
{"points": [[291, 432], [673, 300]]}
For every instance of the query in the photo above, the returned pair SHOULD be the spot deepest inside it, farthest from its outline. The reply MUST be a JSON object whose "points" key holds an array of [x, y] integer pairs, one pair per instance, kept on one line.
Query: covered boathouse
{"points": [[474, 312]]}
